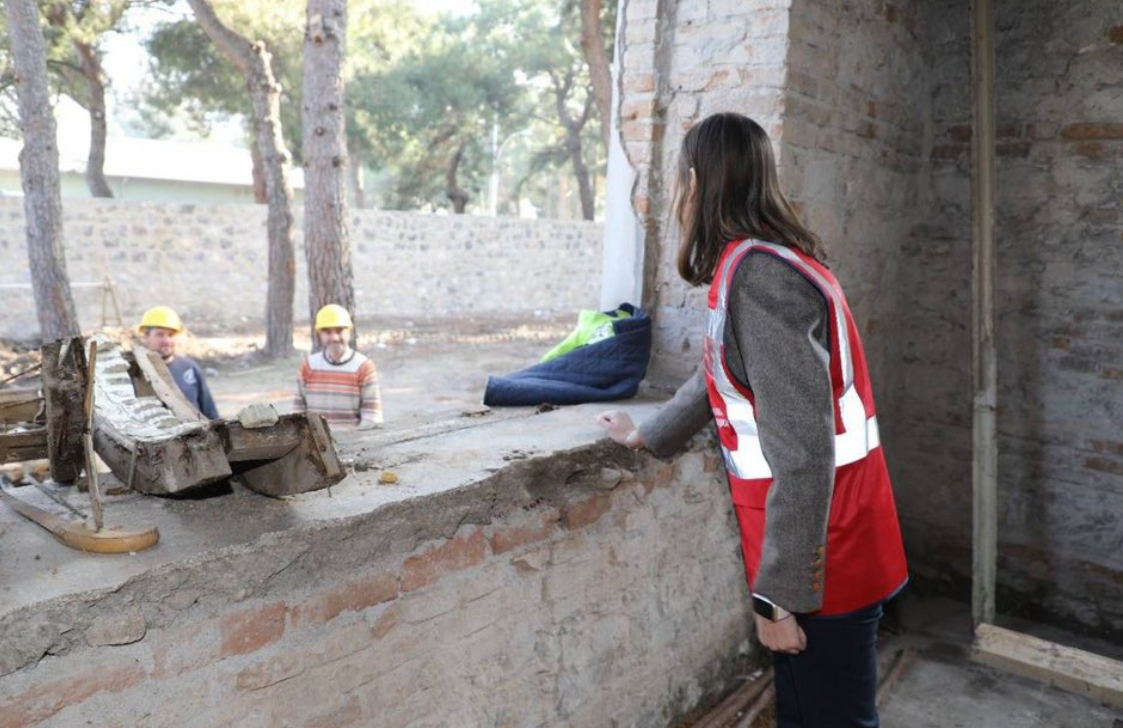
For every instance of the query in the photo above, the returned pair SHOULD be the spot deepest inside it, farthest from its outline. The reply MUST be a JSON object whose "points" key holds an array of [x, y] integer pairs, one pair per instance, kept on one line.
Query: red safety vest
{"points": [[864, 559]]}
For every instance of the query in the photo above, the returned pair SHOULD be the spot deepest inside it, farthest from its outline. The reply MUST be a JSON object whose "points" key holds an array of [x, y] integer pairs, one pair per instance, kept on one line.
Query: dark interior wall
{"points": [[1060, 316]]}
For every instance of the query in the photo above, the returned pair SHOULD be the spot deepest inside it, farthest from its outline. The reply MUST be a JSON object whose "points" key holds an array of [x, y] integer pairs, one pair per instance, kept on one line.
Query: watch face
{"points": [[764, 608]]}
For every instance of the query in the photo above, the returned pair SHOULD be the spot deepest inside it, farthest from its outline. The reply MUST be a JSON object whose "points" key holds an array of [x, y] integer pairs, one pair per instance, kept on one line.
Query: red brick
{"points": [[250, 630], [1104, 465], [352, 596], [637, 109], [455, 554], [1091, 150], [1108, 446], [587, 511], [960, 133], [1093, 131], [48, 698], [512, 537], [639, 83]]}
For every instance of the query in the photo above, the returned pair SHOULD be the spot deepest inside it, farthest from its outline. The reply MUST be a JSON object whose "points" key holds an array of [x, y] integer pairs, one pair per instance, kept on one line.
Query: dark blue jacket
{"points": [[606, 370], [189, 377]]}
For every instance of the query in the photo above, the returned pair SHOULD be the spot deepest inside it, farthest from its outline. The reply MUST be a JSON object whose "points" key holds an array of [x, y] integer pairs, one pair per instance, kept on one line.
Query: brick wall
{"points": [[869, 104], [210, 263], [543, 596], [1059, 231]]}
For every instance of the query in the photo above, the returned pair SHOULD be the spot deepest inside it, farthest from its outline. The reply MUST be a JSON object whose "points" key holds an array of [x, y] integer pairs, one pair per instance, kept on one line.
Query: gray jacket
{"points": [[777, 340]]}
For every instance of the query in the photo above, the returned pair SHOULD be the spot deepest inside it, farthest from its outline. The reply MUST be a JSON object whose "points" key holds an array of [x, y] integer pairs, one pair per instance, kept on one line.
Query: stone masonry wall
{"points": [[210, 263], [1060, 308], [543, 596]]}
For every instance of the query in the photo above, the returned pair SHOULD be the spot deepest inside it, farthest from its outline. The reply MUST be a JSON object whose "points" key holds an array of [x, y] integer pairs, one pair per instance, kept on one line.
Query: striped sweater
{"points": [[346, 394]]}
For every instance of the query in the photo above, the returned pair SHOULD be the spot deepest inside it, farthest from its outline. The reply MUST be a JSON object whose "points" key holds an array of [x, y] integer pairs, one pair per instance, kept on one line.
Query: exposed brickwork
{"points": [[572, 620], [869, 105]]}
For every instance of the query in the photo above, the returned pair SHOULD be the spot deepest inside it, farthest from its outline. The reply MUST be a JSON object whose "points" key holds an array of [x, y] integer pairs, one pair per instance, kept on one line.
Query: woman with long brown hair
{"points": [[784, 377]]}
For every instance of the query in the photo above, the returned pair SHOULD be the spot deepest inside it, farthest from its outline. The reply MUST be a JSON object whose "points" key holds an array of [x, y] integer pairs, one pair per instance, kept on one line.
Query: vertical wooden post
{"points": [[984, 471]]}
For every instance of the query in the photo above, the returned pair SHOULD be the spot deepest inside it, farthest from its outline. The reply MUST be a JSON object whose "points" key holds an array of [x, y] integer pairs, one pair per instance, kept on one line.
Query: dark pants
{"points": [[833, 683]]}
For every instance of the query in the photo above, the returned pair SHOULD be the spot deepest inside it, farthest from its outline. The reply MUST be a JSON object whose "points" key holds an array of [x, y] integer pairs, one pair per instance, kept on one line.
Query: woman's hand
{"points": [[784, 636], [619, 426]]}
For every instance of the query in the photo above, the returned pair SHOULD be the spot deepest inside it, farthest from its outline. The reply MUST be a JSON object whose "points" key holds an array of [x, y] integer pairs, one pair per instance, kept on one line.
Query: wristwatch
{"points": [[768, 610]]}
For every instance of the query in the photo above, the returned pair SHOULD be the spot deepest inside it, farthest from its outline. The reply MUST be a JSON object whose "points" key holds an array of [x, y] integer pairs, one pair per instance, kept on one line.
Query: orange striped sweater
{"points": [[346, 394]]}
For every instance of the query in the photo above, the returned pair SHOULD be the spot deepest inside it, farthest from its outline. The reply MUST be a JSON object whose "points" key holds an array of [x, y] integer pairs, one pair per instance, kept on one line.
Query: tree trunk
{"points": [[592, 44], [254, 61], [455, 192], [573, 144], [42, 202], [356, 167], [260, 197], [326, 241], [95, 82]]}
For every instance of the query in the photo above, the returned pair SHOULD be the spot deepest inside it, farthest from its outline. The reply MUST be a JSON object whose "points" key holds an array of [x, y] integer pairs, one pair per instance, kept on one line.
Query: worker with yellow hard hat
{"points": [[338, 382], [158, 330]]}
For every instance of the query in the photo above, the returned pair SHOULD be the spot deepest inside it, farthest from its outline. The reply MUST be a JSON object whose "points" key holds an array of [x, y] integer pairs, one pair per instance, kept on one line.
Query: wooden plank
{"points": [[158, 376], [143, 442], [1067, 668], [265, 443], [984, 367], [64, 394], [21, 405], [311, 465], [15, 447]]}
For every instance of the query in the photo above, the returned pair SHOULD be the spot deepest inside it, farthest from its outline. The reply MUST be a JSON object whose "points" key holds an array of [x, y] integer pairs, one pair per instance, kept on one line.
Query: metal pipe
{"points": [[984, 384]]}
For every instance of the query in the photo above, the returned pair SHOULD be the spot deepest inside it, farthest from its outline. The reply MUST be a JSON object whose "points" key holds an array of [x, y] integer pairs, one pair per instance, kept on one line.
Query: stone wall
{"points": [[210, 262], [869, 105], [543, 595]]}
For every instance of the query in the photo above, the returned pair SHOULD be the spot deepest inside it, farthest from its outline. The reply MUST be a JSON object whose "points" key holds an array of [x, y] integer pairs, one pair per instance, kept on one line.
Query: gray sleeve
{"points": [[680, 419], [780, 330]]}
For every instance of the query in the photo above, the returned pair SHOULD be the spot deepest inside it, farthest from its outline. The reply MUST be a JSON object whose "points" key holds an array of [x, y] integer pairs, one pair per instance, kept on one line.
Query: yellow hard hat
{"points": [[160, 317], [333, 316]]}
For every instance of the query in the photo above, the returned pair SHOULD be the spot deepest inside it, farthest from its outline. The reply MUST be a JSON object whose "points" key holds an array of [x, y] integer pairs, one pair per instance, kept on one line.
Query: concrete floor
{"points": [[942, 688]]}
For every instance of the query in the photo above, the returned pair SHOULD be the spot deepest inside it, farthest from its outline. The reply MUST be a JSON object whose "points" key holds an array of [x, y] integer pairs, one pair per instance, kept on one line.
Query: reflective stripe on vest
{"points": [[744, 457]]}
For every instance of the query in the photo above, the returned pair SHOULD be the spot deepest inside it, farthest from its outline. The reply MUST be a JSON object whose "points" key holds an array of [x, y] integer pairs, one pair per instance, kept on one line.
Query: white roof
{"points": [[156, 159]]}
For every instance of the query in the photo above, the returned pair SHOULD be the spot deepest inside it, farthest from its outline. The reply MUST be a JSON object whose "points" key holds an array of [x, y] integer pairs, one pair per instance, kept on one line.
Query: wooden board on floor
{"points": [[1076, 671]]}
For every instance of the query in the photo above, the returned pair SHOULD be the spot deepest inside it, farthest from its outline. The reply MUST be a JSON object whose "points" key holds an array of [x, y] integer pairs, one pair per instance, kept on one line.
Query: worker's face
{"points": [[161, 341], [334, 341]]}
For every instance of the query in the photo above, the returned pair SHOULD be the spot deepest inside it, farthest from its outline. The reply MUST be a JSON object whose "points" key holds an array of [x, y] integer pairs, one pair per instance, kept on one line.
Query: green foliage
{"points": [[420, 89]]}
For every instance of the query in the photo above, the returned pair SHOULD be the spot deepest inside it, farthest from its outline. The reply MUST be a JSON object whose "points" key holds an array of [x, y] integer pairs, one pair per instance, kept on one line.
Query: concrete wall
{"points": [[869, 105], [210, 262], [541, 596]]}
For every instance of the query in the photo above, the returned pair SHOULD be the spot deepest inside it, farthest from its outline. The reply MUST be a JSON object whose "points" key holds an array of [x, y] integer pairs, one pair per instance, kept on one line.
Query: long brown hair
{"points": [[736, 196]]}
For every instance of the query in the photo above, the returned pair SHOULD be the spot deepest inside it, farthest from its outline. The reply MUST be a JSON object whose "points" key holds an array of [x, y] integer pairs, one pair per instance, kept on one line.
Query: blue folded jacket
{"points": [[606, 370]]}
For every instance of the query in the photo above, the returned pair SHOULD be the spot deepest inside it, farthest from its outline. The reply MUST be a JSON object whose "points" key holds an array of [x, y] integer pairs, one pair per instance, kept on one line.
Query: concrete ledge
{"points": [[508, 579]]}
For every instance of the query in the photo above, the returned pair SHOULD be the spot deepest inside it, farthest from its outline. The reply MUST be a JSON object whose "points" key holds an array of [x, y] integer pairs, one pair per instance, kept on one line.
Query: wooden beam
{"points": [[64, 392], [163, 385], [15, 447], [984, 369], [20, 405], [1067, 668]]}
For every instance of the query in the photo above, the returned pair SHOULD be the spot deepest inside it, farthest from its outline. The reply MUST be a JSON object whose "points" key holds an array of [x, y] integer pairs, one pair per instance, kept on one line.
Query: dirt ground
{"points": [[428, 369]]}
